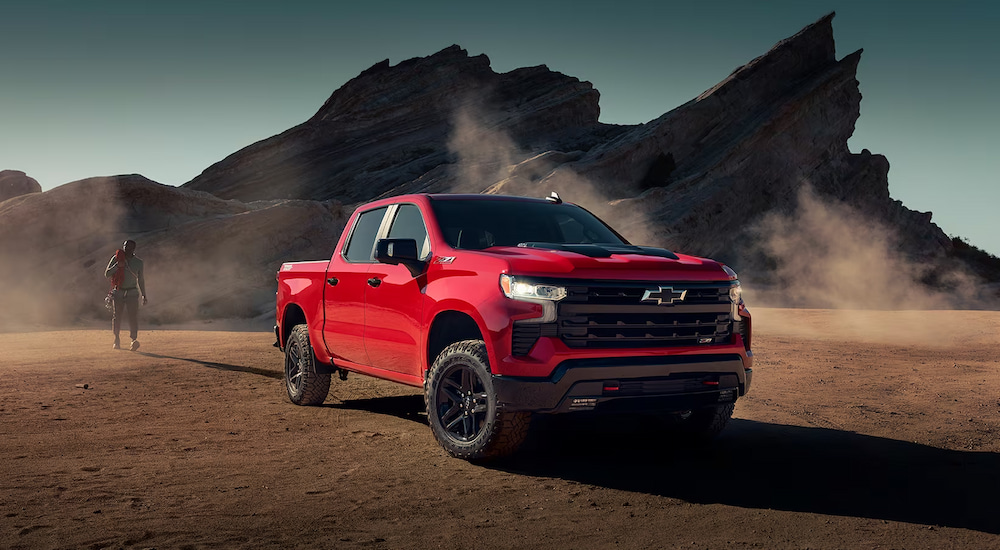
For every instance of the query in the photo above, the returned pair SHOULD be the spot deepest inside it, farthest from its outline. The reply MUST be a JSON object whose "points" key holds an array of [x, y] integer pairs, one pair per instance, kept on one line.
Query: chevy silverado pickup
{"points": [[502, 308]]}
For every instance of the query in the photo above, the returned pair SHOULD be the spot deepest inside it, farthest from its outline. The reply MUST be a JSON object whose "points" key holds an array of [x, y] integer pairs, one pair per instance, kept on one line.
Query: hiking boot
{"points": [[117, 345], [134, 346]]}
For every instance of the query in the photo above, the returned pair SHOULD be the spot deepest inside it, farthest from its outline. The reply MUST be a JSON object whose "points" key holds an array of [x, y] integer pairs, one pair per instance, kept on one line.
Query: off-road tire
{"points": [[303, 384], [498, 433], [700, 425]]}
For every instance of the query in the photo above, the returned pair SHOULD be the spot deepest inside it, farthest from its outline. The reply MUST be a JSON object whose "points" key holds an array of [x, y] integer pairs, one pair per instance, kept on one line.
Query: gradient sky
{"points": [[165, 89]]}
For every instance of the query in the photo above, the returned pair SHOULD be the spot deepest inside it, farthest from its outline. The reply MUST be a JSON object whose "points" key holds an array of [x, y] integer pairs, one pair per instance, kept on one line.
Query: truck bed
{"points": [[304, 268]]}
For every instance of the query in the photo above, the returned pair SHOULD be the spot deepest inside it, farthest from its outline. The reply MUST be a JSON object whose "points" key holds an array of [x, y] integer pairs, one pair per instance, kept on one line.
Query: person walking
{"points": [[128, 284]]}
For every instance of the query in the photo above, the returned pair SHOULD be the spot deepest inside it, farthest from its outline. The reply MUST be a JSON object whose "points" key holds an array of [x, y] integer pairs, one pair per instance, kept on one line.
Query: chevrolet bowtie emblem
{"points": [[664, 295]]}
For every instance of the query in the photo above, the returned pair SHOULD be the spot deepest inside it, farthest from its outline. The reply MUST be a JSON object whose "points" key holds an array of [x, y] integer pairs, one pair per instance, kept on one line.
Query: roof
{"points": [[448, 197]]}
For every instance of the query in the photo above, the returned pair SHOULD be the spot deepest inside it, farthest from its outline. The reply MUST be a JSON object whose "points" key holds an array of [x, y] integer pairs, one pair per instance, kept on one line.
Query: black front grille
{"points": [[653, 328], [631, 293], [613, 315], [599, 314]]}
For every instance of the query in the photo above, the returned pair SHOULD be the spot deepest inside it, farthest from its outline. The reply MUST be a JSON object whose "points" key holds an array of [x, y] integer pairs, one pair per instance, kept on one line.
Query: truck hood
{"points": [[605, 262]]}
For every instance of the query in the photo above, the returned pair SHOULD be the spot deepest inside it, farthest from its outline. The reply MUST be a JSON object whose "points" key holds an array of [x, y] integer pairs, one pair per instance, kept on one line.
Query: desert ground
{"points": [[861, 430]]}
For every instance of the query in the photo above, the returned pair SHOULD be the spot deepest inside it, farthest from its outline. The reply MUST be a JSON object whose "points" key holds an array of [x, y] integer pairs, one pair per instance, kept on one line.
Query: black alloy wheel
{"points": [[304, 384], [462, 402], [293, 367], [462, 407]]}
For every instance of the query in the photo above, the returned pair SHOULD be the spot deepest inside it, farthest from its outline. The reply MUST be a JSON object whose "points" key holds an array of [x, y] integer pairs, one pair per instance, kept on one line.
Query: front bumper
{"points": [[630, 383]]}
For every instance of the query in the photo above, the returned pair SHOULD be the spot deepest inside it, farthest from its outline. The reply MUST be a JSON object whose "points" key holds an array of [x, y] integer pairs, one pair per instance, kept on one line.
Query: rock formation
{"points": [[391, 125], [746, 146], [699, 174], [707, 178], [14, 183]]}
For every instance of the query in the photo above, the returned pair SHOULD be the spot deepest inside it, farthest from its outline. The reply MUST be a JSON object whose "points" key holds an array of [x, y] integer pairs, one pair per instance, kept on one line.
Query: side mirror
{"points": [[399, 251]]}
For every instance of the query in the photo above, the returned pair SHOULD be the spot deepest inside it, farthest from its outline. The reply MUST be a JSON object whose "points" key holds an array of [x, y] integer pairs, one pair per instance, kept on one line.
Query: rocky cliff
{"points": [[14, 183], [698, 174], [392, 125], [755, 171]]}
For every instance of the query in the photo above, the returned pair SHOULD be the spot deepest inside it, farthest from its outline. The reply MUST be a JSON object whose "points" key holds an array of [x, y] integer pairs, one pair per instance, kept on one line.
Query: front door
{"points": [[394, 306]]}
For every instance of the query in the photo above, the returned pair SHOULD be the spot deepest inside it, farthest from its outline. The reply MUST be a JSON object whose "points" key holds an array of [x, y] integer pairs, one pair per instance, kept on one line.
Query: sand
{"points": [[862, 430]]}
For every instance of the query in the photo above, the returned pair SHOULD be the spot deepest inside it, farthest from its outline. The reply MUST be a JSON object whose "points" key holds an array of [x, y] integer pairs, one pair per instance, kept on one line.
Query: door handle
{"points": [[374, 282], [332, 281]]}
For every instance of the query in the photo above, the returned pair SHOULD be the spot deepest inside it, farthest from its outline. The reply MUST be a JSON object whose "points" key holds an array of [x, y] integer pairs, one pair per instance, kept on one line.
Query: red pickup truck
{"points": [[505, 307]]}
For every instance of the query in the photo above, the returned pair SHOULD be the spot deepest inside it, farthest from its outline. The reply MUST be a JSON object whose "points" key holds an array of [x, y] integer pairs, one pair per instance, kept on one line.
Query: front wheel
{"points": [[303, 384], [462, 406]]}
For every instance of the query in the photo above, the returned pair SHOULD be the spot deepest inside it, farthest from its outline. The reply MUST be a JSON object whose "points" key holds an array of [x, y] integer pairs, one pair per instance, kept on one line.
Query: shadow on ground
{"points": [[407, 407], [760, 465], [757, 465], [219, 366]]}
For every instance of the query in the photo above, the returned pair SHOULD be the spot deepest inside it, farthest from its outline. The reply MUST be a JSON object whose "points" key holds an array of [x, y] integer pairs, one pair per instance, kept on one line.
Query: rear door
{"points": [[394, 304], [346, 283]]}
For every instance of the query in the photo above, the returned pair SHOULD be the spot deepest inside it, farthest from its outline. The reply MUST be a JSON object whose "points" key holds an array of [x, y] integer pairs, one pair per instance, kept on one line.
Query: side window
{"points": [[409, 224], [359, 248]]}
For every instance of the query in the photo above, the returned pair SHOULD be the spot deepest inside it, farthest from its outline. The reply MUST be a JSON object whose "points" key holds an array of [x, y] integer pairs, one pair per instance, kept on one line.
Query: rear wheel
{"points": [[701, 425], [303, 384], [462, 407]]}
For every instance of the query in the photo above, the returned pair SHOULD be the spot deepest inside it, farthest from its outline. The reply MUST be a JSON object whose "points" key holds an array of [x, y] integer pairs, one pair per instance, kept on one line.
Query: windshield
{"points": [[475, 224]]}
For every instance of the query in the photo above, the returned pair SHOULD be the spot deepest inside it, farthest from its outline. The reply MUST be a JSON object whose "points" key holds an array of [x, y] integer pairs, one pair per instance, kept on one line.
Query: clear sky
{"points": [[167, 88]]}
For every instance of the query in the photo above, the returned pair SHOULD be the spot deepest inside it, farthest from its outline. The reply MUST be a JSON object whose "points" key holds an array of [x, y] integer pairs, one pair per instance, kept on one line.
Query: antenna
{"points": [[554, 198]]}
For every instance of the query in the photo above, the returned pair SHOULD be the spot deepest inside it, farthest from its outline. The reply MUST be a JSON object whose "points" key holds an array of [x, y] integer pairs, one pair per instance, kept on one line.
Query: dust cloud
{"points": [[204, 258], [483, 154], [828, 255], [911, 328], [47, 240], [822, 255], [489, 161]]}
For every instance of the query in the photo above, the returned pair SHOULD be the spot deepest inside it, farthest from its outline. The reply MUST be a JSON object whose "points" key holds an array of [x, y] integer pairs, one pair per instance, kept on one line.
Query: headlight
{"points": [[530, 292], [736, 292], [538, 293]]}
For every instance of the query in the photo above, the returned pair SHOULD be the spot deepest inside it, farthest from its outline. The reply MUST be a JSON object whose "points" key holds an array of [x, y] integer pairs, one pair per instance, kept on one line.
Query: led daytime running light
{"points": [[531, 292]]}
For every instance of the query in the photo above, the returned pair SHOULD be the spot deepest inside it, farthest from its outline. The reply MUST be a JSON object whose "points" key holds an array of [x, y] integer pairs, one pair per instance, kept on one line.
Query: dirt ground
{"points": [[861, 430]]}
